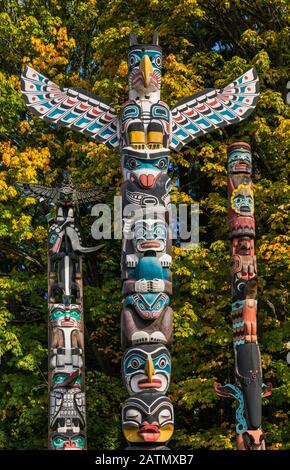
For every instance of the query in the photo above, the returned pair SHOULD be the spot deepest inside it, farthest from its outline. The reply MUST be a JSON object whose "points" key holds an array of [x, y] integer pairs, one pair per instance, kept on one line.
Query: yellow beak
{"points": [[149, 369], [146, 68]]}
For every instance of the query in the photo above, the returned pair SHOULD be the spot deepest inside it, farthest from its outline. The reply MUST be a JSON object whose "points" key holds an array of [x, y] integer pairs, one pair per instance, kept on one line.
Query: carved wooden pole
{"points": [[249, 388], [66, 373]]}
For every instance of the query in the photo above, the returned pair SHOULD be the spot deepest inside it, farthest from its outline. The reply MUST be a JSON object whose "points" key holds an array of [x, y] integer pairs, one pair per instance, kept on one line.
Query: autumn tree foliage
{"points": [[84, 44]]}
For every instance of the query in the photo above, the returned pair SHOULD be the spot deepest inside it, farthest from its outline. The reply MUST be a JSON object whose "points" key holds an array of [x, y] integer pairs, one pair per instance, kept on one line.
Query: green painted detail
{"points": [[52, 238]]}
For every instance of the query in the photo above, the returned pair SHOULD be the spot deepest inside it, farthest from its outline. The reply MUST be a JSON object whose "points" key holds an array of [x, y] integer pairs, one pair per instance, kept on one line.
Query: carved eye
{"points": [[133, 415], [132, 60], [132, 163], [164, 415], [159, 231], [139, 232], [134, 363], [162, 363], [162, 164], [158, 61]]}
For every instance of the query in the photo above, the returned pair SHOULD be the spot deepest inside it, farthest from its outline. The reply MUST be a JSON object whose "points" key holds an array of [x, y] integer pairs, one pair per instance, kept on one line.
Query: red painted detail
{"points": [[147, 181], [149, 432], [201, 108], [156, 383], [178, 118], [70, 101], [190, 113], [150, 244]]}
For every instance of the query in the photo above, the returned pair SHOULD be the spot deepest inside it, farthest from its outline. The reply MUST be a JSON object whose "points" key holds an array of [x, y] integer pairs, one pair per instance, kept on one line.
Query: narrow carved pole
{"points": [[66, 374], [249, 388]]}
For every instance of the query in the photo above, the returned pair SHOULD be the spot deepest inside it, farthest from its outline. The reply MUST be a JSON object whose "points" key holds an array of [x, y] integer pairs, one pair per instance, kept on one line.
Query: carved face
{"points": [[148, 305], [68, 442], [242, 201], [145, 63], [239, 162], [146, 367], [150, 235], [148, 417], [65, 316], [144, 168], [243, 246]]}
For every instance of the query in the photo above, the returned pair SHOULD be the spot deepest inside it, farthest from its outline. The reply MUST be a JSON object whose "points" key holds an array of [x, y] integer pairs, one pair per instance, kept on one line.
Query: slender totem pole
{"points": [[67, 418], [249, 388], [145, 131]]}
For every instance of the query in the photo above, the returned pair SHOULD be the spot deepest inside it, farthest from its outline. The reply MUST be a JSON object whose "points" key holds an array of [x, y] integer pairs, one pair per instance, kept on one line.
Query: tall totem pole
{"points": [[67, 417], [145, 131], [249, 388]]}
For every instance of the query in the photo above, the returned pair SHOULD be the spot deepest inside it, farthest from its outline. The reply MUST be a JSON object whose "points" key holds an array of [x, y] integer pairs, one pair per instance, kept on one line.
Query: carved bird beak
{"points": [[147, 70], [149, 369]]}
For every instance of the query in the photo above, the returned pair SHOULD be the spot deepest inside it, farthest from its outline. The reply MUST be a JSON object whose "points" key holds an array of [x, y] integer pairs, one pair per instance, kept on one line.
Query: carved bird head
{"points": [[144, 62]]}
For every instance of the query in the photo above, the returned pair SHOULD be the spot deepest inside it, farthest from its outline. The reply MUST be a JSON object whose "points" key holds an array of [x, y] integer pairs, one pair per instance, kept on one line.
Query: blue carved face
{"points": [[242, 200], [150, 234], [145, 63], [65, 442], [146, 367], [65, 315], [143, 167], [239, 162], [148, 305]]}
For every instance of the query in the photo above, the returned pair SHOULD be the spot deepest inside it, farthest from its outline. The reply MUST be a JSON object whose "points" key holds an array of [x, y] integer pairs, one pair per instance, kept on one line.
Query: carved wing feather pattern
{"points": [[42, 193], [62, 195], [70, 107], [212, 109]]}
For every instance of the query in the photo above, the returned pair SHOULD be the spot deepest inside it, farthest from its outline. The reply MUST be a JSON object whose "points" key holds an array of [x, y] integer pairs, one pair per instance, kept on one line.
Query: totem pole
{"points": [[145, 131], [249, 388], [67, 419]]}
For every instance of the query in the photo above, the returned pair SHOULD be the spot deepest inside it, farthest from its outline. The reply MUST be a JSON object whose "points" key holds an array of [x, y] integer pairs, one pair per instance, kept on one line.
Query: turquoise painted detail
{"points": [[149, 268], [238, 324], [238, 343], [236, 393], [70, 116]]}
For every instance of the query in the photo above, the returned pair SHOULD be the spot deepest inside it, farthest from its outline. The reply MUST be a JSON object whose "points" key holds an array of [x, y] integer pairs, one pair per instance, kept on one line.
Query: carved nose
{"points": [[147, 181]]}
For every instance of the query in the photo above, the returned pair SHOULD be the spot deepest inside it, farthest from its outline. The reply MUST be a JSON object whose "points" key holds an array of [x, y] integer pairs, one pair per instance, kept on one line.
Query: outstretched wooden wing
{"points": [[70, 107], [212, 109], [65, 195]]}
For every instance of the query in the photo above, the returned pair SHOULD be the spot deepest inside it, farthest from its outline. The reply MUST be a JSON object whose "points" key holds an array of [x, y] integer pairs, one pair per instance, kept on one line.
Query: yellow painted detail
{"points": [[149, 369], [137, 137], [131, 433], [146, 68], [155, 137]]}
